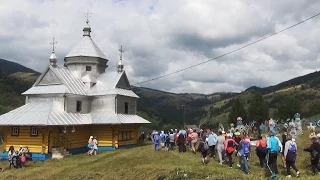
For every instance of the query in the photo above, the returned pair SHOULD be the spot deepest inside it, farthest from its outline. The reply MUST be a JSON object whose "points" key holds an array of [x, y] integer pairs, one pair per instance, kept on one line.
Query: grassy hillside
{"points": [[143, 163]]}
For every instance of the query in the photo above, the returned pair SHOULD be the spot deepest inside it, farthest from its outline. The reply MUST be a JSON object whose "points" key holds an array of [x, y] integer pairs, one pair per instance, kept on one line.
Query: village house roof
{"points": [[49, 113]]}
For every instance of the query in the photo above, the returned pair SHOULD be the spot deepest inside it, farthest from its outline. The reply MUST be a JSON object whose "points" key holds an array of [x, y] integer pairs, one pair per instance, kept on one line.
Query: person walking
{"points": [[220, 146], [181, 142], [290, 154], [284, 140], [203, 148], [156, 141], [194, 140], [95, 145], [262, 151], [212, 141], [244, 153], [274, 146], [171, 140], [229, 148], [314, 151]]}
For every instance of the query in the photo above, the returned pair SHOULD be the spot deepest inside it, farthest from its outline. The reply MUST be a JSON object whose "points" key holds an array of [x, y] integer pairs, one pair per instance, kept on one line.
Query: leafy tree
{"points": [[288, 106], [237, 110], [258, 109]]}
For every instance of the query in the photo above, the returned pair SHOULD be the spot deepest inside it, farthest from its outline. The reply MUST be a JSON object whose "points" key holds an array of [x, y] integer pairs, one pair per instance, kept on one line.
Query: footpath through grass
{"points": [[143, 163]]}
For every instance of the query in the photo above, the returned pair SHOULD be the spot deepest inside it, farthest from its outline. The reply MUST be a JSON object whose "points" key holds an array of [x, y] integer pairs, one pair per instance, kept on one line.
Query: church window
{"points": [[15, 131], [88, 68], [126, 108], [79, 104], [33, 131]]}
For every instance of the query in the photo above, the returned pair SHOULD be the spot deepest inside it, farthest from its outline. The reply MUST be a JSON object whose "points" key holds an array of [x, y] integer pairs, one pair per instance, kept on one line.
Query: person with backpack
{"points": [[244, 152], [274, 146], [212, 141], [290, 154], [262, 151], [314, 151], [156, 141], [229, 147], [203, 148]]}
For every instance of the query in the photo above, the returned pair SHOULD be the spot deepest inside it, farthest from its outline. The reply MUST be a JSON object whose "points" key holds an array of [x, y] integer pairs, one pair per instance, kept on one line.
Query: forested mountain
{"points": [[10, 67], [168, 110]]}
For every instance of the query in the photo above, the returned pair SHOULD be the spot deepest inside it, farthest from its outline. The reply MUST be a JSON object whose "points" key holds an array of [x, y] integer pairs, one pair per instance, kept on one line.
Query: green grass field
{"points": [[143, 163]]}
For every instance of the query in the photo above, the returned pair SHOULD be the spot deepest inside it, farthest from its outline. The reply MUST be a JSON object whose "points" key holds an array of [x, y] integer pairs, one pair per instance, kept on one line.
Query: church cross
{"points": [[121, 51], [87, 15], [53, 43]]}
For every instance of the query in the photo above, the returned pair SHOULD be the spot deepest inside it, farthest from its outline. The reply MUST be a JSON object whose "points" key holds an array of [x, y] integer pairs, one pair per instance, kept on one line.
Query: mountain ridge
{"points": [[168, 110]]}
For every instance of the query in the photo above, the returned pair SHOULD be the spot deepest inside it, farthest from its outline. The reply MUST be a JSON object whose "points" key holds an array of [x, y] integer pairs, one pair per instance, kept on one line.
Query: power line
{"points": [[230, 52]]}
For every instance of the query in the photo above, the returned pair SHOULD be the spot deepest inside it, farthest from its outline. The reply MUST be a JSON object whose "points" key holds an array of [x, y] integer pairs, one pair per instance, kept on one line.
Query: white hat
{"points": [[91, 137], [223, 132], [293, 139]]}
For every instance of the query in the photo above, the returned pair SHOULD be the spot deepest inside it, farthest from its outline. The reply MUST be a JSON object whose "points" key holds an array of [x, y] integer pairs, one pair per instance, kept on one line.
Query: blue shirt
{"points": [[183, 132], [212, 139]]}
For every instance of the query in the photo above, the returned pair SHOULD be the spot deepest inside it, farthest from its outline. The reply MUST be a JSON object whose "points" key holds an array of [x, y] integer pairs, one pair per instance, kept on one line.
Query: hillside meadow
{"points": [[143, 163]]}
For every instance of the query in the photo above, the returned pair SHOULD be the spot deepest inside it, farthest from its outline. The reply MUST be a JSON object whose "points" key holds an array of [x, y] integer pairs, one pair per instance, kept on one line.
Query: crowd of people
{"points": [[229, 144]]}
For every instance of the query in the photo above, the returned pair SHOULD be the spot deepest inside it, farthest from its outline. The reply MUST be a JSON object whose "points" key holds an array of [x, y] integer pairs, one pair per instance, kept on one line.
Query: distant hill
{"points": [[10, 67], [168, 110], [311, 79]]}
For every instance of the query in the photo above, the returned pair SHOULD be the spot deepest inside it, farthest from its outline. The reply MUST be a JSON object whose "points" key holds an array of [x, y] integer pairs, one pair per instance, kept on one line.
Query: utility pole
{"points": [[184, 116]]}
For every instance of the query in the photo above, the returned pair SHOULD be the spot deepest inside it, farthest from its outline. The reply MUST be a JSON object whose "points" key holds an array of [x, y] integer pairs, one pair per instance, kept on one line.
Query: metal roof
{"points": [[64, 118], [86, 47], [74, 85], [49, 113], [131, 119], [107, 84], [52, 89]]}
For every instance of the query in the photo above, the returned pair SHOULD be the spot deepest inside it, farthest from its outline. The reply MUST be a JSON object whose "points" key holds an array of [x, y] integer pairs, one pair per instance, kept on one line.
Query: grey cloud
{"points": [[170, 36]]}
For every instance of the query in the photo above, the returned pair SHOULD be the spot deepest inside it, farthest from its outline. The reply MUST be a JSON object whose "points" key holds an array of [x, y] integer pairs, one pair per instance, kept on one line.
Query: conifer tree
{"points": [[237, 110], [288, 107], [258, 109]]}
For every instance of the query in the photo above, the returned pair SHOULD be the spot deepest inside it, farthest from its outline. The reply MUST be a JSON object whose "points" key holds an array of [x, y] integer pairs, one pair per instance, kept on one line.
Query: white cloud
{"points": [[161, 37]]}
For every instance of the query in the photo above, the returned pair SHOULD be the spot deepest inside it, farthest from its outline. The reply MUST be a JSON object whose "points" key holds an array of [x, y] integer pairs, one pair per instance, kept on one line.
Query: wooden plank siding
{"points": [[107, 135], [134, 134], [37, 143], [104, 134], [79, 138]]}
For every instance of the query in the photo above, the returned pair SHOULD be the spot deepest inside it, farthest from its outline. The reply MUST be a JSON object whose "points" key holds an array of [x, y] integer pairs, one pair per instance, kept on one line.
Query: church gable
{"points": [[123, 82], [49, 78]]}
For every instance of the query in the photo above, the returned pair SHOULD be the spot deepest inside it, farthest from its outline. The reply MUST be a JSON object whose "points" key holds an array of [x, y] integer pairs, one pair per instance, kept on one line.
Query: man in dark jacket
{"points": [[314, 150]]}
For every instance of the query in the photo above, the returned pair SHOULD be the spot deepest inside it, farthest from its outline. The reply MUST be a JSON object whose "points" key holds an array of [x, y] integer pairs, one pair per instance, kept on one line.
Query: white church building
{"points": [[68, 104]]}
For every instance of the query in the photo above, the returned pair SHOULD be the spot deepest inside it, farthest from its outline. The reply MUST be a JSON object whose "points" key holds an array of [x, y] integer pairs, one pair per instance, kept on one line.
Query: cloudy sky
{"points": [[163, 36]]}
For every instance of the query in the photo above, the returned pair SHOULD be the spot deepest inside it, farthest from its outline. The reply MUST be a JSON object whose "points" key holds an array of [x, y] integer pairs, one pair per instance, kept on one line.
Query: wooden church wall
{"points": [[38, 143], [128, 134]]}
